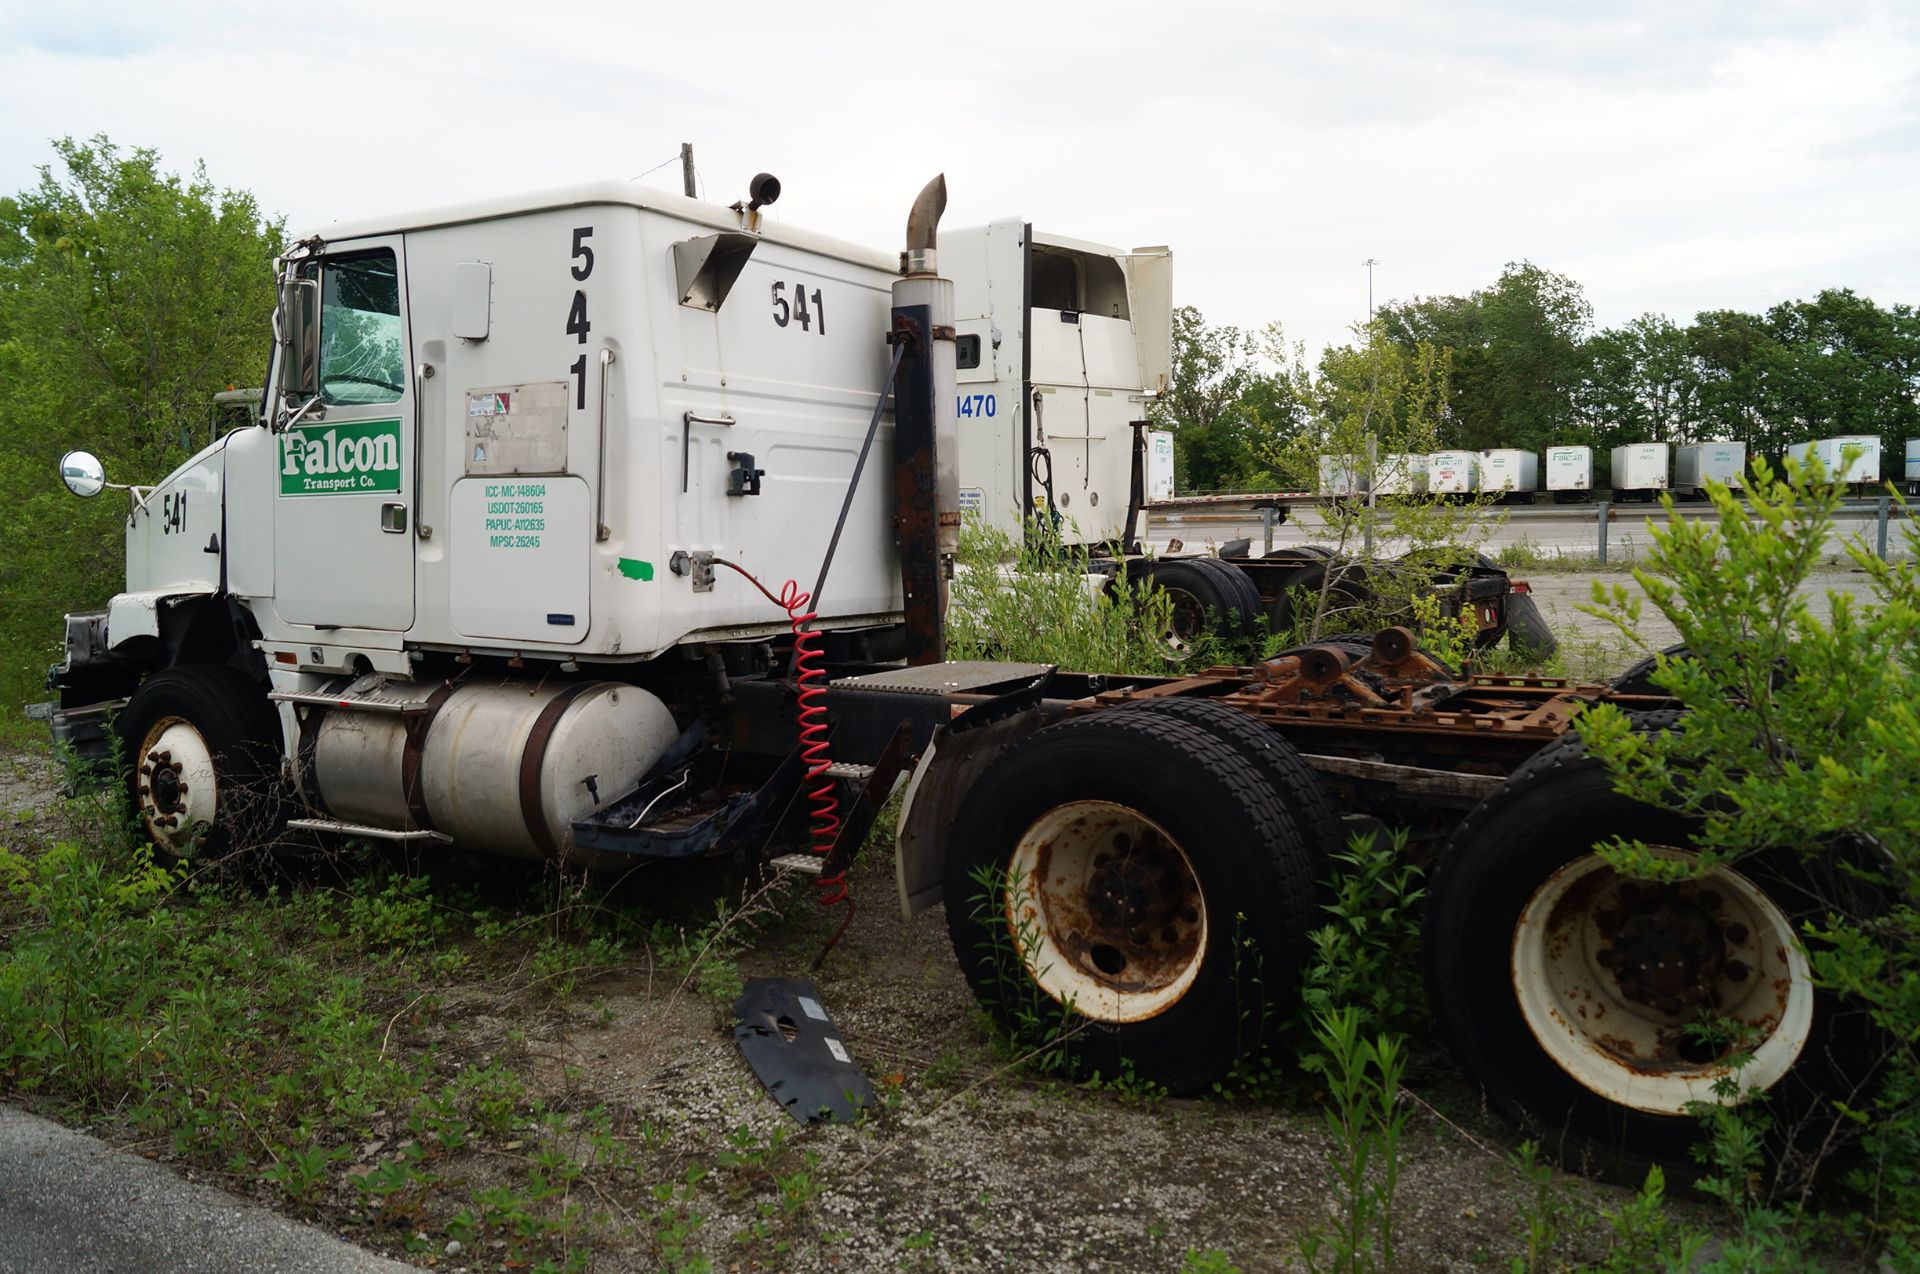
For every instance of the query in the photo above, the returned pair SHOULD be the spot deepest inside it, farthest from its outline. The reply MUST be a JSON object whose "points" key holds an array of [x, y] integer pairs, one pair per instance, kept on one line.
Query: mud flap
{"points": [[796, 1051]]}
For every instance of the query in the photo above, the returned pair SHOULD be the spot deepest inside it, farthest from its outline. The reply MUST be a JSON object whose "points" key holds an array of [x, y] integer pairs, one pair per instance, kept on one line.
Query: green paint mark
{"points": [[633, 568]]}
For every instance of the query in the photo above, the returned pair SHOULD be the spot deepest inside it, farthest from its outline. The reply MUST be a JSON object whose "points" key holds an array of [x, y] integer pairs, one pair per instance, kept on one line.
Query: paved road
{"points": [[73, 1204]]}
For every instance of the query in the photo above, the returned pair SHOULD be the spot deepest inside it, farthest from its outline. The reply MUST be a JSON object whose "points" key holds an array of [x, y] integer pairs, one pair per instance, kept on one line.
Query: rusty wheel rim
{"points": [[1610, 974], [174, 785], [1106, 911]]}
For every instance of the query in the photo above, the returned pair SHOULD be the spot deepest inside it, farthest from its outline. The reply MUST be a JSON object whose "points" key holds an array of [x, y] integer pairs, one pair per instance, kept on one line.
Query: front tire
{"points": [[1135, 870], [200, 744]]}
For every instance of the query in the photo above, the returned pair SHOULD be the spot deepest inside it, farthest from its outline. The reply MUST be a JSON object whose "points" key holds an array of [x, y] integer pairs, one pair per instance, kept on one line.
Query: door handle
{"points": [[393, 518]]}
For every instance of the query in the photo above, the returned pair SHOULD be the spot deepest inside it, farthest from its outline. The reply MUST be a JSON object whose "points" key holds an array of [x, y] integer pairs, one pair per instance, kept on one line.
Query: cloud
{"points": [[1670, 157]]}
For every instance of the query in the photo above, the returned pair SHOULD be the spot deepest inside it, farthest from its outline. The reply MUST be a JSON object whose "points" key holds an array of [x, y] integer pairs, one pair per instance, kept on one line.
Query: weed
{"points": [[302, 1173], [1642, 1235], [1040, 599], [1210, 1261], [1366, 1119], [1367, 954], [1548, 1211], [1032, 1019]]}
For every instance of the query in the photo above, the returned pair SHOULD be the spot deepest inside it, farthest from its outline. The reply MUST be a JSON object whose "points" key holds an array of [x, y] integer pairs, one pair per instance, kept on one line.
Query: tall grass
{"points": [[1040, 601]]}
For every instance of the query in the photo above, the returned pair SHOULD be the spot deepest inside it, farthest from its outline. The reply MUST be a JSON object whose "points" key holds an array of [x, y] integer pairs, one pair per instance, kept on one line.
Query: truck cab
{"points": [[1063, 345]]}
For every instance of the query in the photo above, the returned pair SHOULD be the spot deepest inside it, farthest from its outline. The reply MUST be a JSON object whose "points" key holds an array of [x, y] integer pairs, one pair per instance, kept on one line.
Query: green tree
{"points": [[1227, 397], [1516, 351], [1641, 384], [128, 297], [1738, 359], [1370, 403]]}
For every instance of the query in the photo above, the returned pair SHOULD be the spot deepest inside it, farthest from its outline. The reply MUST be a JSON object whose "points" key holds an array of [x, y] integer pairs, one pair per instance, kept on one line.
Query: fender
{"points": [[134, 615], [952, 762]]}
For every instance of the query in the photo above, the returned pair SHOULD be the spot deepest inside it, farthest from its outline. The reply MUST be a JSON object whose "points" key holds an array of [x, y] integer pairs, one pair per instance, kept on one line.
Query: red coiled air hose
{"points": [[824, 804]]}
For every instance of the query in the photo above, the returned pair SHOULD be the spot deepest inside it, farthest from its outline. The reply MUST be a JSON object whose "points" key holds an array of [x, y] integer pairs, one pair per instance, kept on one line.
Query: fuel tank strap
{"points": [[533, 759]]}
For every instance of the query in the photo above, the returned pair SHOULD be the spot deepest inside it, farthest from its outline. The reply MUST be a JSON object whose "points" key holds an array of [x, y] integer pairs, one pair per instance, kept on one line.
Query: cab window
{"points": [[363, 355]]}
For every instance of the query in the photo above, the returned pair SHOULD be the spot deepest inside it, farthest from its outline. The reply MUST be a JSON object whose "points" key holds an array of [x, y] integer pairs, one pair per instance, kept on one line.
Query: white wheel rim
{"points": [[1609, 971], [1106, 911], [175, 785]]}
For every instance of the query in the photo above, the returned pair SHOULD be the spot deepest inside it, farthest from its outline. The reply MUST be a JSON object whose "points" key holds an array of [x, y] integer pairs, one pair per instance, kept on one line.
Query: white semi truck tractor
{"points": [[505, 448], [601, 526]]}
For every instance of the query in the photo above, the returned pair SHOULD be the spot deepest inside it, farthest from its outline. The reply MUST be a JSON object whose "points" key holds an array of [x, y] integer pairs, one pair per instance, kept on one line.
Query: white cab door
{"points": [[343, 504]]}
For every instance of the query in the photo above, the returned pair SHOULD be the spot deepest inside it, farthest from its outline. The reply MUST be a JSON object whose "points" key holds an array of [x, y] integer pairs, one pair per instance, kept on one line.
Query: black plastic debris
{"points": [[793, 1046]]}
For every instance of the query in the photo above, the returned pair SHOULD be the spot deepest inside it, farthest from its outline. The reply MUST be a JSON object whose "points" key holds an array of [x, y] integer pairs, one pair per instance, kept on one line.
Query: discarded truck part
{"points": [[795, 1049]]}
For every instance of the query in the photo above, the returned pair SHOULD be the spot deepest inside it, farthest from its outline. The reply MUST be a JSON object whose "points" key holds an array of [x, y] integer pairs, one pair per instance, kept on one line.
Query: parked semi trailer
{"points": [[1640, 471], [553, 540], [1511, 472], [1570, 474], [1698, 463], [1852, 461]]}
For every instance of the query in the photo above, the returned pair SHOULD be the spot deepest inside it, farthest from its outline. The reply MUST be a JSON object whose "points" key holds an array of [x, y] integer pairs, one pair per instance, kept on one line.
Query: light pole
{"points": [[1373, 445]]}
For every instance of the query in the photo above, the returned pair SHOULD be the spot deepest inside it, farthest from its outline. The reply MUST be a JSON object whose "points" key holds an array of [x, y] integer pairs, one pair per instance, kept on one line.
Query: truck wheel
{"points": [[1638, 678], [1528, 632], [1245, 595], [1299, 786], [1134, 882], [1204, 600], [1565, 990], [201, 748]]}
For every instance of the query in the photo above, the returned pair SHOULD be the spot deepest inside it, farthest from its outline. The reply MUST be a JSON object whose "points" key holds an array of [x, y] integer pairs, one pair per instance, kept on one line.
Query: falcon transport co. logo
{"points": [[342, 459]]}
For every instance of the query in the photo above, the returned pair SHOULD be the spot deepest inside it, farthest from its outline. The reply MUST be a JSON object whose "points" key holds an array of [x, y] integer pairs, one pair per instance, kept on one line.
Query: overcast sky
{"points": [[1670, 156]]}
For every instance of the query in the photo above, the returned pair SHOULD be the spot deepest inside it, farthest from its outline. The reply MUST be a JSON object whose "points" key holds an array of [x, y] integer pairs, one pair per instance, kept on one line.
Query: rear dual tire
{"points": [[1565, 991], [1136, 884]]}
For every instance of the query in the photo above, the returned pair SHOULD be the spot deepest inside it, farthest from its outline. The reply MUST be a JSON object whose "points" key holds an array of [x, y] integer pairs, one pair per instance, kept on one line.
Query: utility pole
{"points": [[1370, 262], [686, 180]]}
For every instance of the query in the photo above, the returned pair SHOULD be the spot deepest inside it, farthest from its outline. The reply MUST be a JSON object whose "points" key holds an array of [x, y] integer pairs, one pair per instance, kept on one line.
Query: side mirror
{"points": [[83, 473], [300, 338]]}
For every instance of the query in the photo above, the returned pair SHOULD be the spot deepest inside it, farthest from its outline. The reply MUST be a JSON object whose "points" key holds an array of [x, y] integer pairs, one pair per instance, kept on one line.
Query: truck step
{"points": [[804, 864], [370, 833], [849, 770], [351, 702]]}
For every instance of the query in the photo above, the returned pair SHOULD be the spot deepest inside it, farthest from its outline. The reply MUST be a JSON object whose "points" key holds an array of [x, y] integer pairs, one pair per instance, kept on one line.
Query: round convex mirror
{"points": [[82, 472]]}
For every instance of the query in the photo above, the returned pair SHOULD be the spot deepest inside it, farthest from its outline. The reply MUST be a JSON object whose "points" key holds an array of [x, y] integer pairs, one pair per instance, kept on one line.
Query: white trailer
{"points": [[1851, 460], [1639, 470], [1159, 465], [1570, 474], [1342, 477], [1910, 472], [1698, 463], [1401, 473], [1453, 472], [1514, 473]]}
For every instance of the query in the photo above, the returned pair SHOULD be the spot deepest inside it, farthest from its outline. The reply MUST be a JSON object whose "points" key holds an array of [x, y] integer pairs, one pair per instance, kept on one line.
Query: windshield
{"points": [[362, 354]]}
